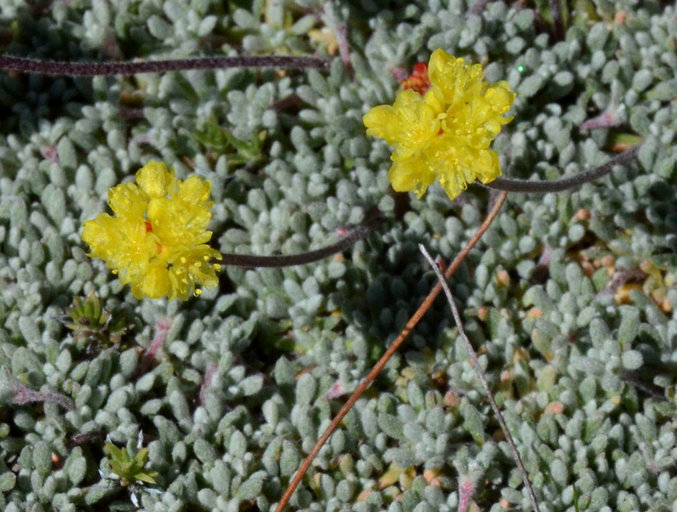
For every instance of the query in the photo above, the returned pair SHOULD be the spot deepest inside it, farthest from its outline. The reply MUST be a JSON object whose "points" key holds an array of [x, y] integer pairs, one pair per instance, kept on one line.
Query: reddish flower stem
{"points": [[289, 260], [63, 68], [542, 187]]}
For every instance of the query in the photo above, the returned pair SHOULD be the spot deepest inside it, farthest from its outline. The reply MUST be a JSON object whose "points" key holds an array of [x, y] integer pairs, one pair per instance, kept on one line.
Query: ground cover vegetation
{"points": [[148, 149]]}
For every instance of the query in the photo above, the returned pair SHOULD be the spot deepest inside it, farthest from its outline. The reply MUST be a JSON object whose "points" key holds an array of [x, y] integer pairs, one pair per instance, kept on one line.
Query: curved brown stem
{"points": [[289, 260], [416, 317], [542, 187]]}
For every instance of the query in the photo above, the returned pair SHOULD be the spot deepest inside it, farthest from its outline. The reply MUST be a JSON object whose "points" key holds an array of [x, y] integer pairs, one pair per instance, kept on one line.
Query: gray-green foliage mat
{"points": [[570, 298]]}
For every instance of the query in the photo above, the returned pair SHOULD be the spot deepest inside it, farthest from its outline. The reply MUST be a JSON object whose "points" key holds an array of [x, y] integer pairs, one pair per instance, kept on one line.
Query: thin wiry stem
{"points": [[478, 7], [13, 391], [557, 20], [466, 488], [63, 68], [542, 187], [340, 30], [485, 384], [380, 364], [289, 260]]}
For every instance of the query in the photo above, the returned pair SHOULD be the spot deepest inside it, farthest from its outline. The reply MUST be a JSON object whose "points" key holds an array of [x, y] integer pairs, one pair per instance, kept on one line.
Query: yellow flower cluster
{"points": [[444, 133], [156, 240]]}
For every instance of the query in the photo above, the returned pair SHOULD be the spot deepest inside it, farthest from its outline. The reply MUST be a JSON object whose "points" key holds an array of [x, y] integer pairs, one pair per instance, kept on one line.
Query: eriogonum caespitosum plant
{"points": [[156, 241], [443, 132]]}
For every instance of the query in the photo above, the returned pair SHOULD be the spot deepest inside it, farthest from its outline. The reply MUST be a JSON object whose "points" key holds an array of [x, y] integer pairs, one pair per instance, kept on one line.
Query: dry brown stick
{"points": [[371, 376], [485, 384]]}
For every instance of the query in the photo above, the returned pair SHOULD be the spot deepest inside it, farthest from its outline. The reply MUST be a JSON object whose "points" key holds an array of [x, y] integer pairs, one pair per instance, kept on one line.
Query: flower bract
{"points": [[156, 239], [418, 80], [443, 131]]}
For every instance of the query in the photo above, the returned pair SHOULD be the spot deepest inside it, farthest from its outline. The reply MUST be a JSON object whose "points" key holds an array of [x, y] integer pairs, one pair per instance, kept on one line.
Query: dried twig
{"points": [[416, 317], [476, 363]]}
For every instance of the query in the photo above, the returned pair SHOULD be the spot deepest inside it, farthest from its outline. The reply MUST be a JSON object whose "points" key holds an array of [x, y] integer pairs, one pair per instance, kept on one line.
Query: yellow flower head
{"points": [[156, 239], [445, 132]]}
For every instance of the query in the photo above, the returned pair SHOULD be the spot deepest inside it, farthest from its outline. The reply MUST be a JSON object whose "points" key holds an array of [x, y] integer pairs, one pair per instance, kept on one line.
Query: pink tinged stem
{"points": [[162, 329], [466, 489], [400, 73], [24, 395], [340, 31], [206, 384], [607, 119]]}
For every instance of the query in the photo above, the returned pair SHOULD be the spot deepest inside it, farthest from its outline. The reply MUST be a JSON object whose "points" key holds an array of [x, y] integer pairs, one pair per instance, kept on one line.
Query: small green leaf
{"points": [[7, 481], [251, 487], [391, 425], [129, 469], [472, 421]]}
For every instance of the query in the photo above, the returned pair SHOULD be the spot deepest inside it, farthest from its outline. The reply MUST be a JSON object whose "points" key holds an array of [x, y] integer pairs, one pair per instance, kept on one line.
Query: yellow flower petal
{"points": [[155, 180], [452, 80], [190, 266], [127, 199], [155, 283], [411, 175], [377, 121], [410, 111], [194, 191], [500, 97], [118, 240], [177, 223]]}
